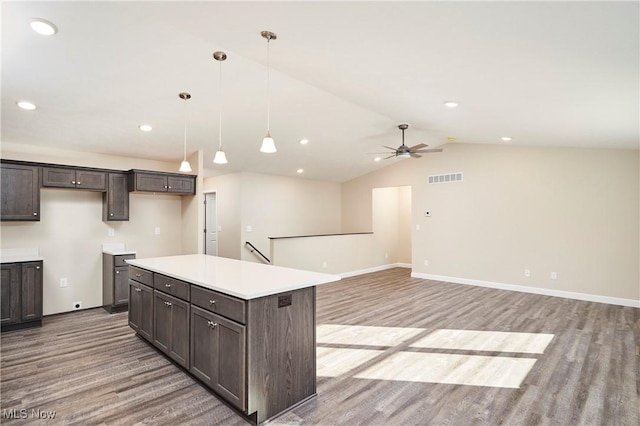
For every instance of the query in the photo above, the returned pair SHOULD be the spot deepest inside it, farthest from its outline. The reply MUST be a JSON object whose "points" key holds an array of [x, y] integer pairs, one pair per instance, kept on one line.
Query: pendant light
{"points": [[220, 157], [185, 166], [268, 144]]}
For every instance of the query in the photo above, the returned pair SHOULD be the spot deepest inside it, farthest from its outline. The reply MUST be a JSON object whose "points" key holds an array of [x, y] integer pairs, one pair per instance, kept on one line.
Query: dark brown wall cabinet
{"points": [[21, 295], [171, 327], [115, 281], [143, 181], [141, 309], [20, 192], [74, 178], [115, 202]]}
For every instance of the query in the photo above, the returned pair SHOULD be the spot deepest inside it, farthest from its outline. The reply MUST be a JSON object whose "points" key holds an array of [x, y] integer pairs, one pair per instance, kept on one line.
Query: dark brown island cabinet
{"points": [[257, 353], [21, 295], [115, 281]]}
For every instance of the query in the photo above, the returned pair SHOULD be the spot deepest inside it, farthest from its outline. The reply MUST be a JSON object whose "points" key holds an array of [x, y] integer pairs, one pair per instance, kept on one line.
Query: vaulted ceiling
{"points": [[343, 75]]}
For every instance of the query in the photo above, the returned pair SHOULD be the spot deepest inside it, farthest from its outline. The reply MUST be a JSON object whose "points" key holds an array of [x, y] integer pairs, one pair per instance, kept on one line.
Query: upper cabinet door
{"points": [[20, 192], [54, 177], [150, 182], [182, 184]]}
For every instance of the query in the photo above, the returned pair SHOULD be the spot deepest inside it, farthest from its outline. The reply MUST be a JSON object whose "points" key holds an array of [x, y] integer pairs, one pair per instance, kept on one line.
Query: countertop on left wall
{"points": [[11, 255]]}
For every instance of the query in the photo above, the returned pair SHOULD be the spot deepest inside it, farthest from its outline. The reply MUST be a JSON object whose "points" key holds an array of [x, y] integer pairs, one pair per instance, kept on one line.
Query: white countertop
{"points": [[20, 255], [246, 280], [116, 249]]}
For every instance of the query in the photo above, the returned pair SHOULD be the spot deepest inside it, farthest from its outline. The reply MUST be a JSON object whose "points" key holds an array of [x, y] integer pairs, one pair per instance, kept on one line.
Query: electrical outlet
{"points": [[554, 275], [111, 232], [426, 263], [527, 273], [249, 228], [63, 282], [157, 230], [76, 305], [417, 227]]}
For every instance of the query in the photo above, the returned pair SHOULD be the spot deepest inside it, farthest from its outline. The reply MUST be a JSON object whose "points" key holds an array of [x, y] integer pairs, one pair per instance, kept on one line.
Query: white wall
{"points": [[273, 206], [567, 210], [227, 189]]}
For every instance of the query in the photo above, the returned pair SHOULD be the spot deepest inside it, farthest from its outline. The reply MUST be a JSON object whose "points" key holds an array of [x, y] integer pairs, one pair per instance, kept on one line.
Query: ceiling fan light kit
{"points": [[220, 157], [268, 144], [405, 151], [184, 165]]}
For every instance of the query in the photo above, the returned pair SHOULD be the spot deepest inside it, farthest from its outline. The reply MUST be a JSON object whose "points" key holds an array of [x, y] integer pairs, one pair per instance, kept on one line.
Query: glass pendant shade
{"points": [[220, 157], [268, 145], [185, 166]]}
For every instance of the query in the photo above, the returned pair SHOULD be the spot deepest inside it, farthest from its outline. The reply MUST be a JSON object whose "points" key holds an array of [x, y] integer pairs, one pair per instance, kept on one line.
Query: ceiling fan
{"points": [[405, 151]]}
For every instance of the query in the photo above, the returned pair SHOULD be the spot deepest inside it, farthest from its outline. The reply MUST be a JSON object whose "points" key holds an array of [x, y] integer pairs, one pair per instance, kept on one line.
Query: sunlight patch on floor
{"points": [[333, 362], [473, 370], [476, 340], [364, 335]]}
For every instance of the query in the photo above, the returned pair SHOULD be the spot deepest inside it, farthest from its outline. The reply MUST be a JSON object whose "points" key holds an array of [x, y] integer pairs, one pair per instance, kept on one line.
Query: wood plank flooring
{"points": [[90, 368]]}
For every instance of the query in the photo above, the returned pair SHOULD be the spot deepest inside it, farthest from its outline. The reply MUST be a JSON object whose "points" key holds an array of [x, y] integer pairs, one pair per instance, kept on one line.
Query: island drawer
{"points": [[219, 303], [171, 286], [141, 275], [119, 259]]}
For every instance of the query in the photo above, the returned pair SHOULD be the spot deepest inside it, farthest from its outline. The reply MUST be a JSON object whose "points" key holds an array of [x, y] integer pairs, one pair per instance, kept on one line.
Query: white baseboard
{"points": [[535, 290], [374, 269]]}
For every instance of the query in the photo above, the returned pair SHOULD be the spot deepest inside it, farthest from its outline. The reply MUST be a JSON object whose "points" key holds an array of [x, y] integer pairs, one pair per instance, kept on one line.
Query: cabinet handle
{"points": [[73, 182], [37, 267], [35, 214], [137, 289], [168, 303], [212, 302], [167, 285], [165, 187], [111, 214], [138, 275], [169, 186], [212, 324], [78, 183], [117, 272]]}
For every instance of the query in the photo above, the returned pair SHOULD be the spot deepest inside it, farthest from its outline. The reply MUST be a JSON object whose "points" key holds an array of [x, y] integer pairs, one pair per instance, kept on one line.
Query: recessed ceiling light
{"points": [[43, 27], [451, 104], [26, 105], [304, 141], [506, 138], [377, 159], [300, 171], [145, 127]]}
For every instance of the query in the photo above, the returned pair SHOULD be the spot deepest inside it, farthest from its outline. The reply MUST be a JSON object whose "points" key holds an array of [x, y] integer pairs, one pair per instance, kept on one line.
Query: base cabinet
{"points": [[218, 355], [141, 309], [171, 327], [115, 281], [21, 295]]}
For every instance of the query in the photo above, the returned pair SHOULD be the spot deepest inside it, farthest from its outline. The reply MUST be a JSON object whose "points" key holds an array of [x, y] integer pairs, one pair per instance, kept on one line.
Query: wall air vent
{"points": [[446, 178]]}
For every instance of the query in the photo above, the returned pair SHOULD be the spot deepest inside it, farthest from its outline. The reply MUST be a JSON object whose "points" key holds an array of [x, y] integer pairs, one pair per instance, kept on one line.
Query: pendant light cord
{"points": [[185, 130], [268, 90], [220, 115]]}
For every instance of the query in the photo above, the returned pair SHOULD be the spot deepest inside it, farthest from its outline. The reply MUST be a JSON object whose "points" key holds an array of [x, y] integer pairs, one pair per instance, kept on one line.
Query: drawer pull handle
{"points": [[168, 303], [167, 285], [212, 302], [138, 275], [137, 289], [212, 324]]}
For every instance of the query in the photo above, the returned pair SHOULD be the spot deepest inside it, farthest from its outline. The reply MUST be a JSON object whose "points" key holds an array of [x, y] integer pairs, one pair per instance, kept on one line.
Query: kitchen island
{"points": [[245, 330]]}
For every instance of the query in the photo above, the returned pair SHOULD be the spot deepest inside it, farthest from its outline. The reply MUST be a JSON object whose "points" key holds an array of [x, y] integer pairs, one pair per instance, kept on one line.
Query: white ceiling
{"points": [[344, 74]]}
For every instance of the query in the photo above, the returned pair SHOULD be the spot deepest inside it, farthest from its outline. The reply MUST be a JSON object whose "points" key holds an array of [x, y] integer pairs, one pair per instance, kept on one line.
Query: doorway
{"points": [[210, 224]]}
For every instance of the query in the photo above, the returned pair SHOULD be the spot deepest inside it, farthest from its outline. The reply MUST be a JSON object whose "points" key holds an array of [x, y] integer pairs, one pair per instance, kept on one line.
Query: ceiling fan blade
{"points": [[417, 147], [414, 155], [391, 156], [426, 151], [388, 147]]}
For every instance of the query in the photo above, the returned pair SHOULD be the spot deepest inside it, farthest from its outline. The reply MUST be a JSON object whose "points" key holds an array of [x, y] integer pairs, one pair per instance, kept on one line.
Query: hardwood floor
{"points": [[392, 350]]}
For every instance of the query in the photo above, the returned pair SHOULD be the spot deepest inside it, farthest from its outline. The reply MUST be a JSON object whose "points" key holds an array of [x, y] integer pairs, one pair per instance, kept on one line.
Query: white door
{"points": [[211, 224]]}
